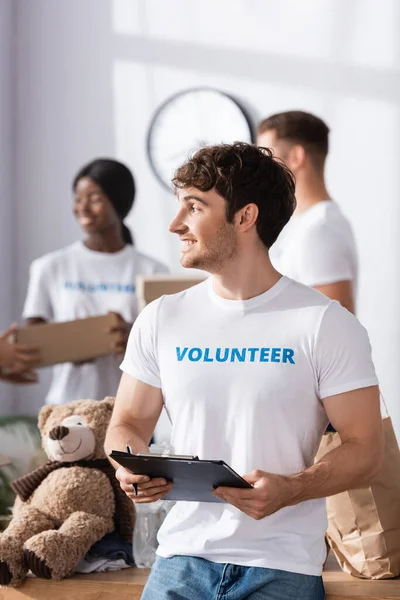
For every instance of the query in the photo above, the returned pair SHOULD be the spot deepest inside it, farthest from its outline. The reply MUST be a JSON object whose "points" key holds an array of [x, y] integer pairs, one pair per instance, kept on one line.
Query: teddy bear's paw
{"points": [[11, 574], [37, 565], [48, 555], [12, 562], [5, 573]]}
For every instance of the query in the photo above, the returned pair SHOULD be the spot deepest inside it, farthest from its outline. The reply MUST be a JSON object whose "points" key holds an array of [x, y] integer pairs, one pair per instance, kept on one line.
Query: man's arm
{"points": [[136, 411], [342, 291], [356, 417], [135, 415]]}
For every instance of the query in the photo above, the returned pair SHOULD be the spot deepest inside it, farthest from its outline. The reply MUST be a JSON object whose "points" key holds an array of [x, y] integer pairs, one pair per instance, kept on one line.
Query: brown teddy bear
{"points": [[68, 504]]}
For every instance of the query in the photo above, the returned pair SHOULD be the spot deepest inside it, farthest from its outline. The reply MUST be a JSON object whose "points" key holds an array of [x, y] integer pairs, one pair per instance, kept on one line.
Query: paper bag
{"points": [[364, 524]]}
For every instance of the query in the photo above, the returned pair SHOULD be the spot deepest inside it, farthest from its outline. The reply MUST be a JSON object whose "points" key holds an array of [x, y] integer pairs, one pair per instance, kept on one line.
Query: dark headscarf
{"points": [[116, 181]]}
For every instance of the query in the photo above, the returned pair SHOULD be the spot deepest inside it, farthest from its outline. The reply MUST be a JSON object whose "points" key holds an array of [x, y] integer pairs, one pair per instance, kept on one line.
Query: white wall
{"points": [[7, 173], [92, 72]]}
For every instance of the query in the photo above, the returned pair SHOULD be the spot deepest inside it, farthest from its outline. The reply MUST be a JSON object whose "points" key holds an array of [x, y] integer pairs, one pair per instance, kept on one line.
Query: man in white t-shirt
{"points": [[250, 366], [317, 246]]}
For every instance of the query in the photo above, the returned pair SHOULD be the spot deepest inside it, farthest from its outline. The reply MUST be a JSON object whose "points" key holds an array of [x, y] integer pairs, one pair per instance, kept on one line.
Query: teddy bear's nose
{"points": [[59, 432]]}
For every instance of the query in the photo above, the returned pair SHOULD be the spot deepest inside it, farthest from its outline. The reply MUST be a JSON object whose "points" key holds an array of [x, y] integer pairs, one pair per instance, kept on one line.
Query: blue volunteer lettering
{"points": [[93, 288], [233, 355]]}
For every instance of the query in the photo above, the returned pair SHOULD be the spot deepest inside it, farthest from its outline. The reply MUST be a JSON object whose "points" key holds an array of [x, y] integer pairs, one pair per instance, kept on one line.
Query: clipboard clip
{"points": [[155, 455], [164, 455]]}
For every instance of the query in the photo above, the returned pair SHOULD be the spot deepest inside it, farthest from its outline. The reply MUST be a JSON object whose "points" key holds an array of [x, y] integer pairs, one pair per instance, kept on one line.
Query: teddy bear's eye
{"points": [[79, 423]]}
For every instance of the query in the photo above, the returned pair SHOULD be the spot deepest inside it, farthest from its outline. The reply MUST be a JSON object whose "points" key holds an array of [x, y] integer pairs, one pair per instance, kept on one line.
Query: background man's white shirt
{"points": [[317, 247]]}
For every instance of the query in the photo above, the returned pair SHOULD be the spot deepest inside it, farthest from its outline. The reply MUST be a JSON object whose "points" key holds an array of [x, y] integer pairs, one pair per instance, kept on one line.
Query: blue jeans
{"points": [[190, 578]]}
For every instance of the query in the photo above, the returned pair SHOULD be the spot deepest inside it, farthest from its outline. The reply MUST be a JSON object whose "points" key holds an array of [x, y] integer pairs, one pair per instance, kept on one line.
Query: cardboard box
{"points": [[151, 287], [70, 341]]}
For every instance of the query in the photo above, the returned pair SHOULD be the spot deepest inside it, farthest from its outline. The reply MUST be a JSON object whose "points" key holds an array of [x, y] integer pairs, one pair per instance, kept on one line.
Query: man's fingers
{"points": [[146, 487], [247, 508], [234, 493], [150, 493], [127, 477], [237, 502], [153, 491], [146, 499], [150, 490], [156, 482]]}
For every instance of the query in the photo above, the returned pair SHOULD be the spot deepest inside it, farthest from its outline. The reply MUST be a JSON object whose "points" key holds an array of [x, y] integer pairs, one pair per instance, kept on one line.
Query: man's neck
{"points": [[246, 276], [310, 189]]}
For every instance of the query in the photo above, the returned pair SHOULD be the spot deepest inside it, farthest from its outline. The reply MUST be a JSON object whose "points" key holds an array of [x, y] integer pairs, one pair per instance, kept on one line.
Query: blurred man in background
{"points": [[317, 246]]}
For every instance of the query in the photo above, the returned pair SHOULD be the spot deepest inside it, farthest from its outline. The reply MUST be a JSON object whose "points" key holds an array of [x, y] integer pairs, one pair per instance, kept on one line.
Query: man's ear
{"points": [[246, 217], [296, 157], [44, 414]]}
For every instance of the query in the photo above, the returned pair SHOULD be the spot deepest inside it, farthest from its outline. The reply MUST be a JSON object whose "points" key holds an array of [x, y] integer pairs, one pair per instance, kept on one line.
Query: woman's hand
{"points": [[25, 378], [17, 359], [122, 329]]}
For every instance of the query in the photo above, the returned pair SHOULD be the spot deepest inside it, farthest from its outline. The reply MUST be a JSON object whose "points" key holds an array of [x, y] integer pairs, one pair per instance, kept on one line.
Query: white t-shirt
{"points": [[74, 283], [317, 247], [242, 381]]}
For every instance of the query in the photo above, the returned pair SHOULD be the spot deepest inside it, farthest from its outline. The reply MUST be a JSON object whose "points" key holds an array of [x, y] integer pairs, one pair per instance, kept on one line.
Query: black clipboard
{"points": [[194, 479]]}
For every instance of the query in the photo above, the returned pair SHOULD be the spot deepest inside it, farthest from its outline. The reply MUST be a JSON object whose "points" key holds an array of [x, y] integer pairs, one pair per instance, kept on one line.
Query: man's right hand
{"points": [[149, 490], [17, 358]]}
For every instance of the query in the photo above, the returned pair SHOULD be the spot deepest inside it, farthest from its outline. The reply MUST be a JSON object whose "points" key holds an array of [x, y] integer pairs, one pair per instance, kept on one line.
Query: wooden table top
{"points": [[128, 585]]}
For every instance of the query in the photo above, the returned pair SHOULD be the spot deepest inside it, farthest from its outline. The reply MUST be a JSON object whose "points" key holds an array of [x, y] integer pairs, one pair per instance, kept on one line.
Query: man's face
{"points": [[208, 240], [280, 148]]}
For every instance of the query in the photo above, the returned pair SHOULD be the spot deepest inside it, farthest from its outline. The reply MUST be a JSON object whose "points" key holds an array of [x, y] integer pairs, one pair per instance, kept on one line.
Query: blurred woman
{"points": [[92, 277]]}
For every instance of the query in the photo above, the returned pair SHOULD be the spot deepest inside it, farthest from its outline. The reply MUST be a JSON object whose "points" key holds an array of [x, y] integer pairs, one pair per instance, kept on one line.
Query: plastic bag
{"points": [[149, 518]]}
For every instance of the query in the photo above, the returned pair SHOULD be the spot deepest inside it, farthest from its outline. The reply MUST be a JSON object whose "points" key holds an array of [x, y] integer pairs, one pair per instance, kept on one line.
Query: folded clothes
{"points": [[99, 565], [111, 553]]}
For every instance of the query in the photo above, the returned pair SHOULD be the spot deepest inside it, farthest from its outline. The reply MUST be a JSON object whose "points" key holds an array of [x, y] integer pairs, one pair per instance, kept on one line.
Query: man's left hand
{"points": [[265, 498]]}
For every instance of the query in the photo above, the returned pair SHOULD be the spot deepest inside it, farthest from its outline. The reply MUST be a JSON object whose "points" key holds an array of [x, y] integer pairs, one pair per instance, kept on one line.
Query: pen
{"points": [[134, 485]]}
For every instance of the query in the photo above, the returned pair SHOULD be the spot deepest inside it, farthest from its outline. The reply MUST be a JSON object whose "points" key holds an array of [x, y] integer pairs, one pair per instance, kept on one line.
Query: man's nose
{"points": [[59, 432], [177, 225]]}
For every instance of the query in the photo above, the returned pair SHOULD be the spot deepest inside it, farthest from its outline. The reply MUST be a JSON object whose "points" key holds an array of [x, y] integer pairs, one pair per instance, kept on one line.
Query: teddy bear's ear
{"points": [[109, 403], [44, 414]]}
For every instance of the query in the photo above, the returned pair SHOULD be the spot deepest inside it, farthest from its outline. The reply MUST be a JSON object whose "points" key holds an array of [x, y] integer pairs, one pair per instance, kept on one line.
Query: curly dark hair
{"points": [[243, 174]]}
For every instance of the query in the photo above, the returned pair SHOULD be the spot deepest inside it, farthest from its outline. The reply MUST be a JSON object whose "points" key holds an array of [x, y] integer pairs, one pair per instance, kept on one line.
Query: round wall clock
{"points": [[190, 120]]}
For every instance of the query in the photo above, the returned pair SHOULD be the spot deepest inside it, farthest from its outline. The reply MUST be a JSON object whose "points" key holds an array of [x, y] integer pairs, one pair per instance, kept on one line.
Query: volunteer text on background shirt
{"points": [[317, 247], [74, 283], [242, 381]]}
